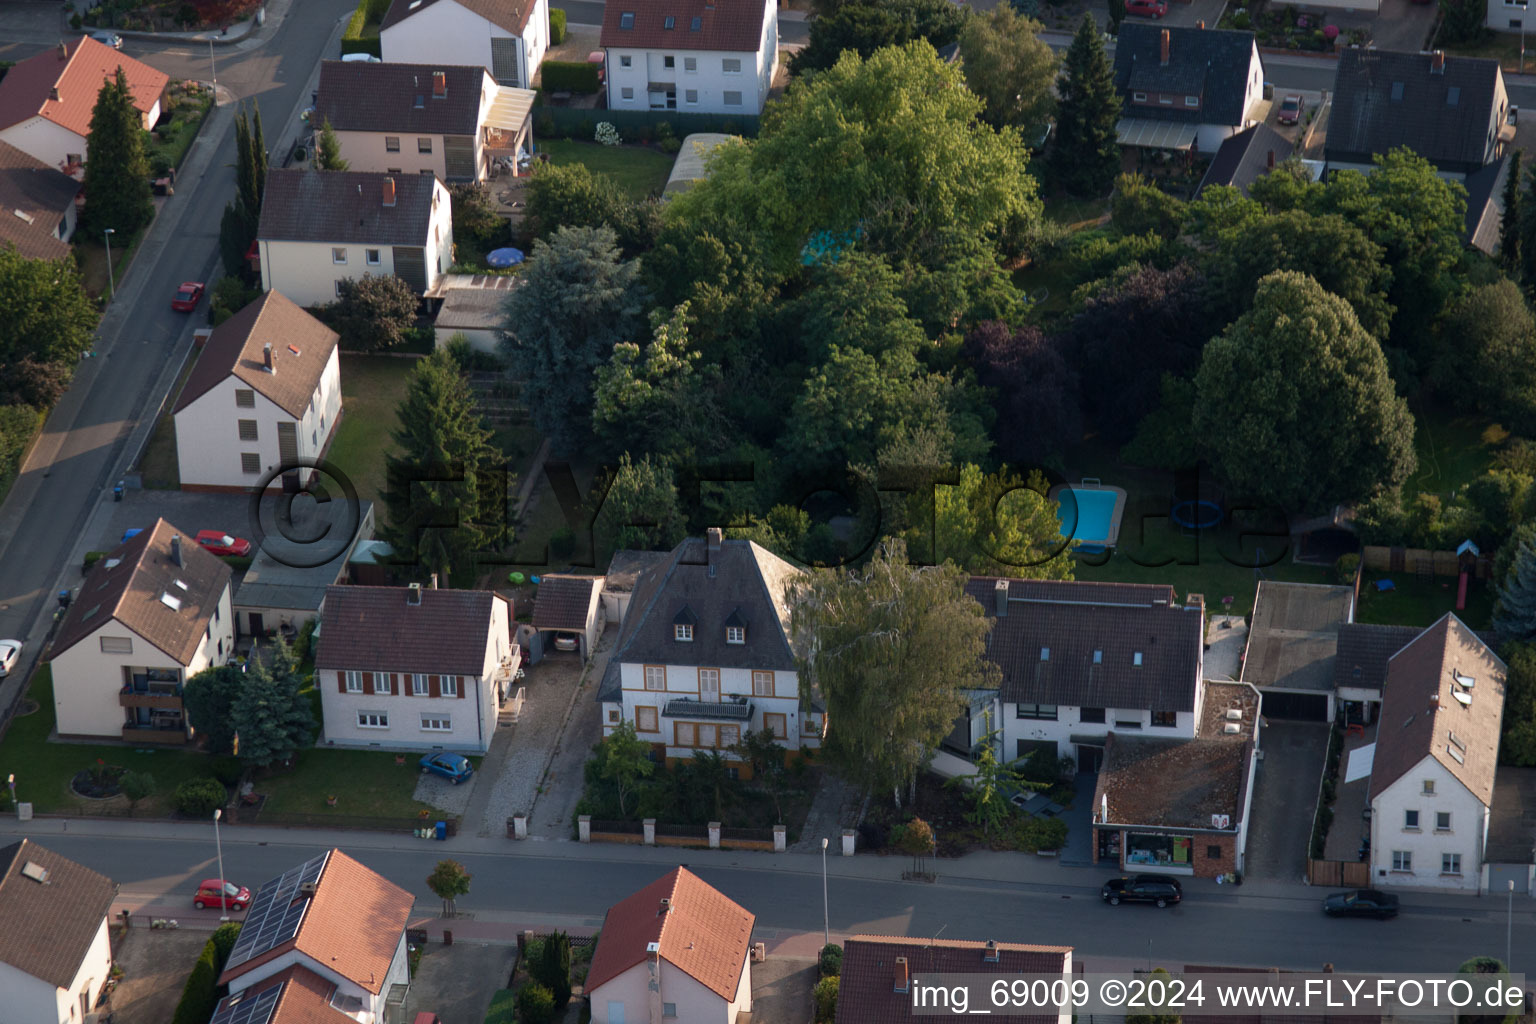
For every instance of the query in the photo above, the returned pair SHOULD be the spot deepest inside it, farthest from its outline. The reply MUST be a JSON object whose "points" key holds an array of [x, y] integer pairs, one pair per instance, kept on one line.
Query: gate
{"points": [[1500, 875], [504, 62], [1347, 874], [459, 157]]}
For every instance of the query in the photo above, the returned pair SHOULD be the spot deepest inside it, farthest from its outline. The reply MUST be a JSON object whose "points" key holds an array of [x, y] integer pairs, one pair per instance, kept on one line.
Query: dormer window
{"points": [[696, 24], [735, 635], [1136, 659], [669, 23], [1045, 654], [683, 632], [627, 20]]}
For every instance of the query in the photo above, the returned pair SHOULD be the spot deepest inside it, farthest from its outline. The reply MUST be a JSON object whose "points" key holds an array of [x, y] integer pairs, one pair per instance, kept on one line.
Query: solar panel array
{"points": [[275, 913], [255, 1009]]}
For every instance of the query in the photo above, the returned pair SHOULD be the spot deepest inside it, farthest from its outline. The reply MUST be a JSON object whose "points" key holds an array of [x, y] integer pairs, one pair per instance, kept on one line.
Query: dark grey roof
{"points": [[1512, 817], [346, 207], [1365, 648], [363, 97], [1209, 63], [729, 710], [1073, 622], [1246, 157], [1485, 205], [1383, 100], [1293, 636]]}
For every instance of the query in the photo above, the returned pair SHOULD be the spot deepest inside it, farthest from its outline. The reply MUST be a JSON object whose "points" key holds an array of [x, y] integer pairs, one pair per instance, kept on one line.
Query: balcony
{"points": [[159, 696], [509, 665]]}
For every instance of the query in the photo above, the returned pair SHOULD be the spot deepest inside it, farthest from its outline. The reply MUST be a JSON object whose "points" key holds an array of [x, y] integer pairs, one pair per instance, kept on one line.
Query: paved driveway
{"points": [[457, 982], [1285, 799]]}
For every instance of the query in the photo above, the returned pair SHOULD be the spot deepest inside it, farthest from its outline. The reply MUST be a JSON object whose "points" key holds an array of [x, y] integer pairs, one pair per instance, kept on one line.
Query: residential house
{"points": [[1449, 110], [1185, 88], [37, 205], [1181, 806], [319, 228], [704, 653], [150, 615], [264, 394], [571, 605], [507, 37], [878, 971], [1434, 760], [55, 952], [444, 119], [46, 100], [477, 312], [692, 56], [676, 950], [323, 941], [1364, 653], [1082, 660], [1246, 157], [293, 568], [1293, 635], [414, 667]]}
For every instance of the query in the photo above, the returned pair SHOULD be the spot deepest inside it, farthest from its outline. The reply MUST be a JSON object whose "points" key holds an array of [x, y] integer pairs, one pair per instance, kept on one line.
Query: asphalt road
{"points": [[572, 886], [81, 450]]}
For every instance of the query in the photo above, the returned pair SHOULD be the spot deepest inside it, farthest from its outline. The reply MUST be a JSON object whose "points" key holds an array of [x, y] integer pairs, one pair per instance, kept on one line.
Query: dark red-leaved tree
{"points": [[1035, 391]]}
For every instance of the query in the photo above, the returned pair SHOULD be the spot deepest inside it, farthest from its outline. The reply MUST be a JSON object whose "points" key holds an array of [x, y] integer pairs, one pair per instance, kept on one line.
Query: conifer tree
{"points": [[1086, 157], [1514, 616], [117, 192], [1509, 223]]}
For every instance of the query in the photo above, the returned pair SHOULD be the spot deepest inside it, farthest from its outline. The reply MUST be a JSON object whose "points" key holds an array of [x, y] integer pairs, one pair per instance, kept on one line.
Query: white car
{"points": [[360, 58], [10, 653]]}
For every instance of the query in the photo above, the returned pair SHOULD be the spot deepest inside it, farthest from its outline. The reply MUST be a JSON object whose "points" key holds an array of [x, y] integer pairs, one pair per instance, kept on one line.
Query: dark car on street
{"points": [[1159, 889], [1361, 903]]}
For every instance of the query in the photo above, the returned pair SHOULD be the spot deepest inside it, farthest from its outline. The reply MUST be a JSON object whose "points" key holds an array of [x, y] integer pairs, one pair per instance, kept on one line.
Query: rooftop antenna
{"points": [[937, 934]]}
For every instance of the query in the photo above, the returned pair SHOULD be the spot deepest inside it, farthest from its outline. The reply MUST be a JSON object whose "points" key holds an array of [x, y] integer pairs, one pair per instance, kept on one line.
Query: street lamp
{"points": [[826, 917], [218, 812], [106, 234], [1509, 926], [212, 69], [10, 780]]}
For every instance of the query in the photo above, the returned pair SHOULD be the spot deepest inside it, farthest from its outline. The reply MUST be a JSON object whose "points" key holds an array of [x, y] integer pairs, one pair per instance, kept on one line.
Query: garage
{"points": [[567, 617], [1294, 706]]}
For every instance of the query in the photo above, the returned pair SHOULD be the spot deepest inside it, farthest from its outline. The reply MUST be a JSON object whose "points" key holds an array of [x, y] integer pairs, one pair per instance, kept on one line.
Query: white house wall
{"points": [[32, 999], [683, 684], [1068, 723], [488, 342], [693, 1001], [709, 81], [41, 138], [1468, 832], [92, 975], [208, 444], [364, 151], [447, 33]]}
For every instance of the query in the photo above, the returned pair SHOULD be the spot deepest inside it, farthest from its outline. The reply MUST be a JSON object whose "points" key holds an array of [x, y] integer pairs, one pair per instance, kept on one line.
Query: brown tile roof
{"points": [[703, 934], [1294, 634], [1173, 783], [46, 928], [79, 73], [378, 628], [511, 15], [1075, 620], [29, 186], [346, 208], [294, 995], [128, 584], [360, 97], [867, 993], [562, 602], [1419, 715], [352, 925], [236, 347], [731, 25]]}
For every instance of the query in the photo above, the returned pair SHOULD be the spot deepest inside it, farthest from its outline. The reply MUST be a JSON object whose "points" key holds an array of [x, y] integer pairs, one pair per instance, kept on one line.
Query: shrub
{"points": [[18, 423], [872, 836], [552, 968], [136, 786], [569, 76], [1242, 21], [199, 798], [831, 961], [223, 941], [227, 769], [229, 297], [1345, 568], [825, 998], [606, 134], [75, 21], [304, 642], [562, 543], [201, 993], [373, 313], [556, 26], [92, 557], [535, 1004]]}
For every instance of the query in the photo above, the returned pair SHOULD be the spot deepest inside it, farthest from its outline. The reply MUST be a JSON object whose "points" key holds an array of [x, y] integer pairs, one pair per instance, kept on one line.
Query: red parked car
{"points": [[187, 296], [220, 543], [1147, 8], [215, 892], [1290, 110]]}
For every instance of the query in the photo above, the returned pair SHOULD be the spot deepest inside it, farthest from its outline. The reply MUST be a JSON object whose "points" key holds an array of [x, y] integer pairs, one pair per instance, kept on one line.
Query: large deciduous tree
{"points": [[448, 881], [1085, 157], [661, 400], [640, 509], [372, 312], [48, 323], [1295, 404], [578, 300], [209, 697], [1009, 66], [1034, 390], [117, 192], [864, 26], [890, 648], [571, 195], [1488, 353], [991, 524]]}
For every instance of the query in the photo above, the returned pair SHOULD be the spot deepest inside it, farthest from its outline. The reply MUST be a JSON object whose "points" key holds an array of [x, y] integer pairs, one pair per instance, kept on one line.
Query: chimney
{"points": [[1194, 602], [63, 50], [665, 907], [439, 84], [1200, 24], [266, 358], [901, 976], [1163, 44], [990, 954], [1000, 595], [176, 548], [389, 191], [1271, 159], [1437, 62], [434, 581], [714, 538], [53, 94], [413, 594]]}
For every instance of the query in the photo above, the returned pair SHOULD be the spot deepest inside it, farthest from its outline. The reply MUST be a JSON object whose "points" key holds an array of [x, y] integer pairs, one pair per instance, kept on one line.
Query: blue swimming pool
{"points": [[1090, 514]]}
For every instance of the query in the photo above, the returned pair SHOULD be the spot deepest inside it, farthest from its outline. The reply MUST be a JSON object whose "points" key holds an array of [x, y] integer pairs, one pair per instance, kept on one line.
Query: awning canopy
{"points": [[1150, 134], [510, 109]]}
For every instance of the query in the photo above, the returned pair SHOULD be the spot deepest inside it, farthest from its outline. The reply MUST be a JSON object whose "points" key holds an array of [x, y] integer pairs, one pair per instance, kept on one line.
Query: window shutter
{"points": [[432, 687], [341, 682], [367, 683], [463, 685]]}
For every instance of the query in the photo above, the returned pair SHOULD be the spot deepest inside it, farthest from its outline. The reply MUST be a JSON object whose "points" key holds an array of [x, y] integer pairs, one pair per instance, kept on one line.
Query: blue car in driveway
{"points": [[453, 767]]}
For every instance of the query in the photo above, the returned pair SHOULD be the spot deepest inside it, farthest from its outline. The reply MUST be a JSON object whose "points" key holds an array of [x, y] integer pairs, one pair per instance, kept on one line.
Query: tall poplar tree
{"points": [[1509, 223], [1086, 157], [117, 190]]}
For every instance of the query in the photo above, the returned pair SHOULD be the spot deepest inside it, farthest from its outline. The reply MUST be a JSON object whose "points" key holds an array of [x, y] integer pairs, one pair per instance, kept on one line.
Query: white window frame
{"points": [[655, 674], [691, 97], [339, 255], [627, 93], [120, 645], [1442, 816], [735, 634], [625, 60], [1402, 860], [448, 686], [1410, 821], [354, 681], [726, 97], [434, 722], [668, 62], [382, 685], [725, 65], [373, 719], [372, 257], [691, 65], [391, 143], [1191, 101], [1138, 97], [419, 685], [1450, 863], [682, 633], [1429, 787]]}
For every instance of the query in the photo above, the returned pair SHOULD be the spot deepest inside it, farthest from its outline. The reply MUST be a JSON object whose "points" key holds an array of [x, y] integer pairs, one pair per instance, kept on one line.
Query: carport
{"points": [[566, 604], [1293, 644]]}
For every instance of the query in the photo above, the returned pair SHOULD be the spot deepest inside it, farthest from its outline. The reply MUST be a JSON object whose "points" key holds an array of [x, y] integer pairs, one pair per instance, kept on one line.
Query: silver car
{"points": [[10, 653], [111, 39]]}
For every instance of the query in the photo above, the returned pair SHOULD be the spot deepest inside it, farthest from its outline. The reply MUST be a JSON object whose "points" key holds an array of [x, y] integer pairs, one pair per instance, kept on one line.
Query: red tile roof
{"points": [[731, 25], [511, 15], [78, 70], [867, 992], [701, 933]]}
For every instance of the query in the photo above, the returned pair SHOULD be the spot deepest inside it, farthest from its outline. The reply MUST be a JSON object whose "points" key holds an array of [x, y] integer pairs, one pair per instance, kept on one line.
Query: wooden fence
{"points": [[1421, 561], [1339, 873]]}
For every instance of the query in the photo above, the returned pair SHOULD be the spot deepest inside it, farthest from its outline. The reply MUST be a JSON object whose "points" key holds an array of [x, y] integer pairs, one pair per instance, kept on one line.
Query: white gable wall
{"points": [[447, 33], [693, 1002], [41, 138], [1467, 835]]}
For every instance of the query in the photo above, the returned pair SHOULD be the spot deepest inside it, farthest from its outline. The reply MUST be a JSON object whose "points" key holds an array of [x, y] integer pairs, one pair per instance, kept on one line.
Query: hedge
{"points": [[556, 26], [569, 76], [367, 10], [635, 125], [18, 425], [201, 993], [362, 46]]}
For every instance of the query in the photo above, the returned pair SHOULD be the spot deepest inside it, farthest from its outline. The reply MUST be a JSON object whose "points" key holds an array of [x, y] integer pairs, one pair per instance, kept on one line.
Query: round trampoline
{"points": [[1196, 515]]}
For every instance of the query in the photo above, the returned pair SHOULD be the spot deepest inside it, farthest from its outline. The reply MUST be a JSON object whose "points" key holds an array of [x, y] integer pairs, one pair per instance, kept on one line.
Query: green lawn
{"points": [[1500, 46], [158, 468], [372, 388], [1077, 213], [639, 171], [1048, 286], [1453, 451], [366, 783], [1414, 602], [92, 256]]}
